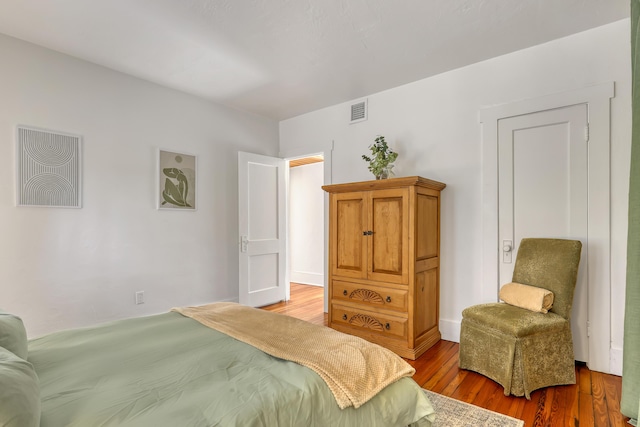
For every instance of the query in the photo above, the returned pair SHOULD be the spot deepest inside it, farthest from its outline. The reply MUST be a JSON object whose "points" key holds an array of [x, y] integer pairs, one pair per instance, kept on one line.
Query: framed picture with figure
{"points": [[176, 180]]}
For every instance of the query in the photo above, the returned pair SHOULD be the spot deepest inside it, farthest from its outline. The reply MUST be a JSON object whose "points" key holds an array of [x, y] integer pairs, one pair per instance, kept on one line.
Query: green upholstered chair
{"points": [[520, 349]]}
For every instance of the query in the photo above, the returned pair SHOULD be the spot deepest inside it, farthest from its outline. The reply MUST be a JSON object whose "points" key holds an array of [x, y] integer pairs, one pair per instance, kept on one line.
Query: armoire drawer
{"points": [[377, 296], [369, 321]]}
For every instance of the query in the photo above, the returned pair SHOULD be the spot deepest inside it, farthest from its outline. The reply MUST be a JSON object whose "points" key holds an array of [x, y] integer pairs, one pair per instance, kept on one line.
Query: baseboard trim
{"points": [[615, 361], [306, 278], [450, 330]]}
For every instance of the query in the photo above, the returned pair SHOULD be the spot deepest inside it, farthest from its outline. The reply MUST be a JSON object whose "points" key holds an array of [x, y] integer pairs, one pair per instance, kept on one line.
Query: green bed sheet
{"points": [[169, 370]]}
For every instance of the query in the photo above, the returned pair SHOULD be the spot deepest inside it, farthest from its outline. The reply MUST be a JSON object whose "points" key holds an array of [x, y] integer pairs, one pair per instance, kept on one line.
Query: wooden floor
{"points": [[593, 401]]}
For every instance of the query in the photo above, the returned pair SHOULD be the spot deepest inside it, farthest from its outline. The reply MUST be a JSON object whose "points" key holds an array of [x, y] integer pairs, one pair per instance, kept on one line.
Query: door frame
{"points": [[326, 150], [597, 98]]}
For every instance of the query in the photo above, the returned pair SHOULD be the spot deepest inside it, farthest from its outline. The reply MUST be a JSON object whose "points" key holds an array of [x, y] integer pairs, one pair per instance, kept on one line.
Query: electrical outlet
{"points": [[140, 297]]}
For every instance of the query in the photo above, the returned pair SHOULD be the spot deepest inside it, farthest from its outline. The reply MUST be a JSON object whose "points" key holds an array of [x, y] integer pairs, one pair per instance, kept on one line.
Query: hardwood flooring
{"points": [[594, 401]]}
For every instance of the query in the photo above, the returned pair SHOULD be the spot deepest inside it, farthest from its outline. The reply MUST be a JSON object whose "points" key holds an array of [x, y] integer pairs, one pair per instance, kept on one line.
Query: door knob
{"points": [[507, 247]]}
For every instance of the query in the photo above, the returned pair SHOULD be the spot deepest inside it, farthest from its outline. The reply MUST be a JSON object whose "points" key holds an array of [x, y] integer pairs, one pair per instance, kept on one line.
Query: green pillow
{"points": [[13, 336], [19, 393]]}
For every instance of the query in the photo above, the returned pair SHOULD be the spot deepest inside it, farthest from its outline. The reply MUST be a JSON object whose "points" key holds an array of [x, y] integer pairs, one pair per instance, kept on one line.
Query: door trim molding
{"points": [[599, 278], [326, 150]]}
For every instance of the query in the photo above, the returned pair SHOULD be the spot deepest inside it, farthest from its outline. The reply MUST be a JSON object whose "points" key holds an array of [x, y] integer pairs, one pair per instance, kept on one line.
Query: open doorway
{"points": [[306, 225]]}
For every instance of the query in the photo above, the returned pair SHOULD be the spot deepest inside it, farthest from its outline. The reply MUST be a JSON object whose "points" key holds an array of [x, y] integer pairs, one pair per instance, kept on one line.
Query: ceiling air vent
{"points": [[359, 111], [48, 168]]}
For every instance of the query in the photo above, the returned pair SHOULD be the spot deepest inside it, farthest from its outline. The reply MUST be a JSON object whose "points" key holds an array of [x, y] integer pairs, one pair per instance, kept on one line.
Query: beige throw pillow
{"points": [[527, 297]]}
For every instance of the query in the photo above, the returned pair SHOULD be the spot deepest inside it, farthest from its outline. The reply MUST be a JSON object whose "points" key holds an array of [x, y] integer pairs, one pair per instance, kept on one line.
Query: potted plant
{"points": [[382, 157]]}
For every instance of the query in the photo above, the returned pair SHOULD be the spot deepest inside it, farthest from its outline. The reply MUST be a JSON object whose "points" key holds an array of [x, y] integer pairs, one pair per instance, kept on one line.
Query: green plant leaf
{"points": [[382, 157]]}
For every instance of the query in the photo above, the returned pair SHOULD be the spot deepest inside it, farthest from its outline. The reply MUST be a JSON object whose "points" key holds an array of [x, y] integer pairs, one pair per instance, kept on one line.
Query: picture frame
{"points": [[177, 181]]}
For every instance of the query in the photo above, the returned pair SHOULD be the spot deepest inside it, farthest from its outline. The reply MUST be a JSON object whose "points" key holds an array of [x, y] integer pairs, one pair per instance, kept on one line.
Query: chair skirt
{"points": [[519, 364]]}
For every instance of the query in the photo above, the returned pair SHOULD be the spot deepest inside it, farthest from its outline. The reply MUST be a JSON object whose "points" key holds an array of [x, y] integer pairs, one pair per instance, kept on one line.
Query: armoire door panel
{"points": [[427, 227], [389, 217], [426, 300], [386, 241], [349, 248]]}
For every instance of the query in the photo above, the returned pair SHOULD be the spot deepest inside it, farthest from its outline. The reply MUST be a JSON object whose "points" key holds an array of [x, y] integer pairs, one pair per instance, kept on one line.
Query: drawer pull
{"points": [[388, 299], [344, 317], [387, 326], [345, 292], [364, 321]]}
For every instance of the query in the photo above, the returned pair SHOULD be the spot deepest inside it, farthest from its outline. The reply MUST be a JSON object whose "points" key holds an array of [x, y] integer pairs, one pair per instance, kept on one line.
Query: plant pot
{"points": [[383, 175], [386, 173]]}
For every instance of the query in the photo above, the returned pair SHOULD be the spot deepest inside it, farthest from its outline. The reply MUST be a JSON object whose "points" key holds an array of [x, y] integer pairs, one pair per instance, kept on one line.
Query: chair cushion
{"points": [[514, 321]]}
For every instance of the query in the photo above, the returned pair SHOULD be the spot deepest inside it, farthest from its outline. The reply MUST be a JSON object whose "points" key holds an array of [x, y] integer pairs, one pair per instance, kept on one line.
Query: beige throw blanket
{"points": [[354, 369]]}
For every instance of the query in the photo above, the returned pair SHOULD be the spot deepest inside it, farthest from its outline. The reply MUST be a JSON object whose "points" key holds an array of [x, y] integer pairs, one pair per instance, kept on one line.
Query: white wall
{"points": [[306, 224], [63, 268], [433, 123]]}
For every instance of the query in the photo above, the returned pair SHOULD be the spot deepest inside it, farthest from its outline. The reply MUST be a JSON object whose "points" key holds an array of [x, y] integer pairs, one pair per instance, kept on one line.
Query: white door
{"points": [[542, 192], [262, 229]]}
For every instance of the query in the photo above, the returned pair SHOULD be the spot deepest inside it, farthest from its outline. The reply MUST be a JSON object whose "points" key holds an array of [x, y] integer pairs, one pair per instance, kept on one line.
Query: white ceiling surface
{"points": [[282, 58]]}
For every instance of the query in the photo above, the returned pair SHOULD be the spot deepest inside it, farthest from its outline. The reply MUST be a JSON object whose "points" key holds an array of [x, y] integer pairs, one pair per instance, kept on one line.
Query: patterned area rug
{"points": [[453, 413]]}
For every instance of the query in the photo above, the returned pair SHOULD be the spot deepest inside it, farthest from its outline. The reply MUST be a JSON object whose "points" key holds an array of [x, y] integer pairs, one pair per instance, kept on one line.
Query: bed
{"points": [[171, 370]]}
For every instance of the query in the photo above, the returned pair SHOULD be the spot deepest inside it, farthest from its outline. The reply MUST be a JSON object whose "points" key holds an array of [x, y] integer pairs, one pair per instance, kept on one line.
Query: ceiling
{"points": [[283, 58]]}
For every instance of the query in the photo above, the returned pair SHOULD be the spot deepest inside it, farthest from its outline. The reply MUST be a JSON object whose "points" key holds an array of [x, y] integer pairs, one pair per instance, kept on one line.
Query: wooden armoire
{"points": [[384, 262]]}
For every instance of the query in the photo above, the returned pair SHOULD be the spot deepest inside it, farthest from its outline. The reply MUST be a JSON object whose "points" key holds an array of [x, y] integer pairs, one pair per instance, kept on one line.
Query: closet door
{"points": [[544, 192]]}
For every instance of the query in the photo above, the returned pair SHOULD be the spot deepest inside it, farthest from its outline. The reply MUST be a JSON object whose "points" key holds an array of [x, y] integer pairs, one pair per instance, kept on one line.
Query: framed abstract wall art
{"points": [[176, 180]]}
